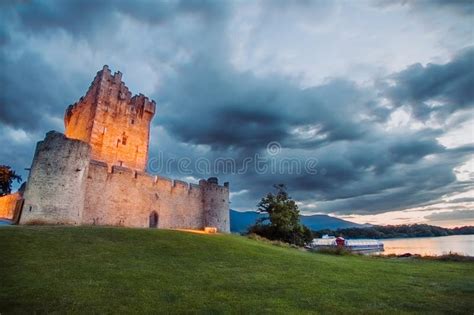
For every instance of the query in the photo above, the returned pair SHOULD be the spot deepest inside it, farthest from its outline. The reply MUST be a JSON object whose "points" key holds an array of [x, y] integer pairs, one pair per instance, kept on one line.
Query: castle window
{"points": [[118, 141], [132, 121], [124, 138]]}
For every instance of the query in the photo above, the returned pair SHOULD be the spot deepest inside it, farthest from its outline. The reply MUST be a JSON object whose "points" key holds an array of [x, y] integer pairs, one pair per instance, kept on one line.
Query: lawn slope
{"points": [[119, 270]]}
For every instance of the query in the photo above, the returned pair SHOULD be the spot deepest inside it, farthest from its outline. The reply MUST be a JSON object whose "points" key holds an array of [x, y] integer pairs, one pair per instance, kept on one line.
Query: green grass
{"points": [[118, 270]]}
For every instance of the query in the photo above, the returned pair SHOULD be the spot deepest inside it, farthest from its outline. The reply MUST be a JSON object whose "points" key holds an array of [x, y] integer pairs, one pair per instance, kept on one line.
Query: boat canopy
{"points": [[332, 242], [363, 242]]}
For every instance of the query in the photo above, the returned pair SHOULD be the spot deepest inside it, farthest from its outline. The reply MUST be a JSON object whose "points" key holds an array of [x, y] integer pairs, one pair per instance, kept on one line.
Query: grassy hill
{"points": [[119, 270]]}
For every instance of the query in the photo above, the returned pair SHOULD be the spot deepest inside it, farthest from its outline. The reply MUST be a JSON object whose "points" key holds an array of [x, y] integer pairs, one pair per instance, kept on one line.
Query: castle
{"points": [[95, 173]]}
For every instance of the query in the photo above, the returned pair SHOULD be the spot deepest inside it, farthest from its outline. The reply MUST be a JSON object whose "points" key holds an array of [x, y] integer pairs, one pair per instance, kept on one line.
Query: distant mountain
{"points": [[321, 221], [240, 221]]}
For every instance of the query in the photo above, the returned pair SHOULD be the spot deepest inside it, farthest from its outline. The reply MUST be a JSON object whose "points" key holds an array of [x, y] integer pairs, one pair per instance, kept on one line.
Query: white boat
{"points": [[357, 245]]}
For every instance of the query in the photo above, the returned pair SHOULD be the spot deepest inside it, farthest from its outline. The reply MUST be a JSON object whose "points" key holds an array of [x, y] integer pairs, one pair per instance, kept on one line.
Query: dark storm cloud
{"points": [[363, 177], [439, 89], [366, 169], [242, 111], [28, 100], [84, 17], [360, 187]]}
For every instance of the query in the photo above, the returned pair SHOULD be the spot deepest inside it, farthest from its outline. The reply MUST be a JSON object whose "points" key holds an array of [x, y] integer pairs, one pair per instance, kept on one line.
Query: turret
{"points": [[215, 204], [55, 189]]}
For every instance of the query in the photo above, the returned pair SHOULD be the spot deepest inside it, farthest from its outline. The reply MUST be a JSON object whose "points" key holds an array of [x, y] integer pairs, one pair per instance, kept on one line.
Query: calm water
{"points": [[461, 244]]}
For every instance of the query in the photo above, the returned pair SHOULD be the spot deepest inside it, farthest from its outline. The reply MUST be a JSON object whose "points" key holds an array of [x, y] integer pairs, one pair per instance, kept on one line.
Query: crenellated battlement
{"points": [[151, 181], [110, 88], [142, 103]]}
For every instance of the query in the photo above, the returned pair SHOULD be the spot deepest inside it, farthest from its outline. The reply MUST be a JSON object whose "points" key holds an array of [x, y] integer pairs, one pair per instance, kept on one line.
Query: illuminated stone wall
{"points": [[66, 187], [8, 204], [114, 123], [55, 189], [125, 197]]}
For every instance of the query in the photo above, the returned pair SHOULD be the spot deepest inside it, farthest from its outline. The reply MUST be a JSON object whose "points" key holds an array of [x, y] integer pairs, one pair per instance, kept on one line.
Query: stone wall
{"points": [[56, 185], [8, 204], [114, 123], [216, 204], [66, 187], [126, 197]]}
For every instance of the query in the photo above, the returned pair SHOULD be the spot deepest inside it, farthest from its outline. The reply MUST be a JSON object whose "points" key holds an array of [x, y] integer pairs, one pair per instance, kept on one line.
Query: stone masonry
{"points": [[96, 173]]}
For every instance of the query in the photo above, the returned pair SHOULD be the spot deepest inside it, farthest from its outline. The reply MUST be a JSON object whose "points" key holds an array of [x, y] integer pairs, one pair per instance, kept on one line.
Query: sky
{"points": [[363, 109]]}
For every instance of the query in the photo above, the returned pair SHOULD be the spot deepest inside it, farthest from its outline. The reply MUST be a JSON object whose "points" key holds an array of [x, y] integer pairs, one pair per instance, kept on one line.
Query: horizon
{"points": [[366, 120], [362, 223]]}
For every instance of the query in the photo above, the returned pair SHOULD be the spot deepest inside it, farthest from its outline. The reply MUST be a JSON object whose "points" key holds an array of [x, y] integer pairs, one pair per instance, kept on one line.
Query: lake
{"points": [[461, 244]]}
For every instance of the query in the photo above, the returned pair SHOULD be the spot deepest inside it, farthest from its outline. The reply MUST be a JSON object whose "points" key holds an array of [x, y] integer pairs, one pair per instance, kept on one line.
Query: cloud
{"points": [[462, 200], [54, 15], [367, 169], [29, 100], [244, 111], [451, 215], [463, 7], [231, 77], [435, 89]]}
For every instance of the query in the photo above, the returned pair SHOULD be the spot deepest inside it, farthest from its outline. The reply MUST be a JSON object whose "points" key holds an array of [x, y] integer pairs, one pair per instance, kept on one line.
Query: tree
{"points": [[7, 177], [283, 220]]}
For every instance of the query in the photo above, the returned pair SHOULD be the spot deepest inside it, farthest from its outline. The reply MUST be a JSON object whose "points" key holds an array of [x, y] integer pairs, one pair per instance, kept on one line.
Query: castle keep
{"points": [[95, 173], [115, 124]]}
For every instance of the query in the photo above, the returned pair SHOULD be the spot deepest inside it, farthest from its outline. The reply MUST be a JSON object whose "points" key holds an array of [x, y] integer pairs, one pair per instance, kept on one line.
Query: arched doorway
{"points": [[153, 219]]}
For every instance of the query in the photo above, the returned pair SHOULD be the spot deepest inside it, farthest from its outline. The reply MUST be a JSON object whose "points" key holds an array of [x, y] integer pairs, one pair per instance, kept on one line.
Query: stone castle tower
{"points": [[115, 124], [95, 174]]}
